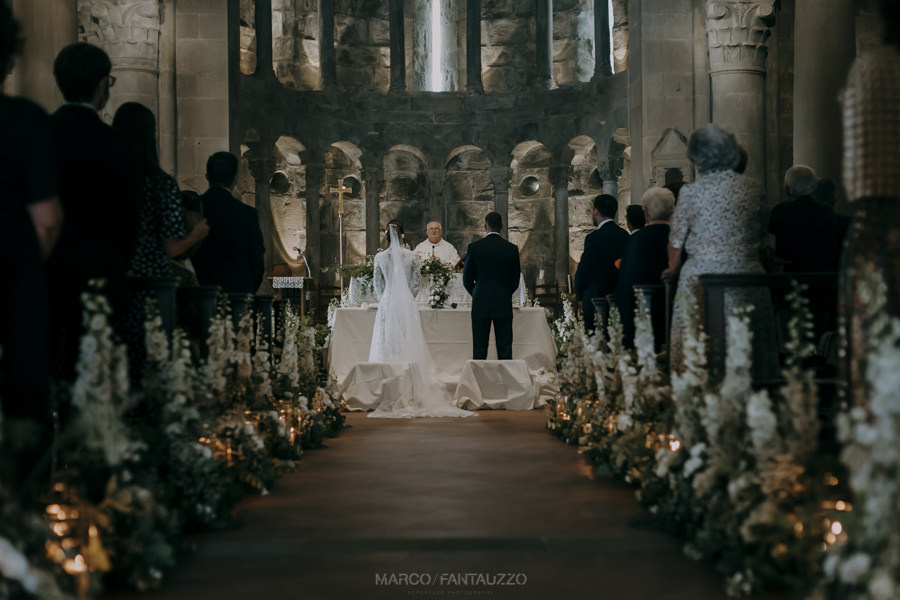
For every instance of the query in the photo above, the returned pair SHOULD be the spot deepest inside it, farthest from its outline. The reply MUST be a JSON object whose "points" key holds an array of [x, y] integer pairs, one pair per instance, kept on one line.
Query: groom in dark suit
{"points": [[491, 276], [232, 256], [597, 273]]}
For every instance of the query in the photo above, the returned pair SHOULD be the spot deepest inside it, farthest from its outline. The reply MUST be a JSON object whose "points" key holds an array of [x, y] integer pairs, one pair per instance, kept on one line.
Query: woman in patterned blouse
{"points": [[719, 223]]}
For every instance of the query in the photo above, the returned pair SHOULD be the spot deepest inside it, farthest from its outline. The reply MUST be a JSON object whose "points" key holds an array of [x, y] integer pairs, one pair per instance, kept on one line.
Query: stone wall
{"points": [[508, 54], [532, 210], [295, 43], [573, 41], [362, 45]]}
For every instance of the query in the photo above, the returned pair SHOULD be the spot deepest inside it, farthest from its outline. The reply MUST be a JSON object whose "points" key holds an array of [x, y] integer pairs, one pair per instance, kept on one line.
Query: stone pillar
{"points": [[315, 179], [473, 47], [611, 187], [47, 27], [166, 119], [128, 31], [737, 32], [544, 44], [326, 43], [373, 227], [825, 46], [500, 181], [262, 166], [398, 46], [559, 178], [263, 21], [602, 41]]}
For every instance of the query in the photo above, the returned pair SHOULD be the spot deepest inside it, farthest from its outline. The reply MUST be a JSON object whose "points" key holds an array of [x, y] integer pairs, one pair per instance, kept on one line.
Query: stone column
{"points": [[559, 178], [373, 212], [825, 46], [47, 27], [262, 166], [128, 31], [611, 187], [398, 46], [544, 44], [500, 181], [315, 179], [473, 47], [602, 41], [737, 32], [263, 21], [326, 43]]}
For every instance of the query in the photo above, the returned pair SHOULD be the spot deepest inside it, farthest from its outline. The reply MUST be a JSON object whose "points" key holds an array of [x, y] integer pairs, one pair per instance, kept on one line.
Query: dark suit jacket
{"points": [[807, 235], [491, 275], [232, 255], [644, 259], [99, 188], [597, 274]]}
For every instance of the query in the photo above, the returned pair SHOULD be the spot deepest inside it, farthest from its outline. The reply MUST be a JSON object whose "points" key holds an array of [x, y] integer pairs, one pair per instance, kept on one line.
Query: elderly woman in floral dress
{"points": [[719, 224]]}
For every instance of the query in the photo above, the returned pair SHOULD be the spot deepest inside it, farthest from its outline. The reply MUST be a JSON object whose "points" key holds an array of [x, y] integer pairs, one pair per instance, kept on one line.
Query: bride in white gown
{"points": [[398, 337]]}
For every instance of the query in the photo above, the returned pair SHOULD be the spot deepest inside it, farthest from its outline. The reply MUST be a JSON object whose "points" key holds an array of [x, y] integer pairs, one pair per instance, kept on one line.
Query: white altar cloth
{"points": [[495, 384], [448, 333]]}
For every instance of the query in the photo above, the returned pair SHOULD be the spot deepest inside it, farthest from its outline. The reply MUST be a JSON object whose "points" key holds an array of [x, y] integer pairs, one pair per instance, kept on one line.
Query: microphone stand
{"points": [[303, 256]]}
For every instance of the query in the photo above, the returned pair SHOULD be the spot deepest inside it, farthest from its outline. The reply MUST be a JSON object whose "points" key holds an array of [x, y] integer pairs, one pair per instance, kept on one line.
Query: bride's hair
{"points": [[396, 223]]}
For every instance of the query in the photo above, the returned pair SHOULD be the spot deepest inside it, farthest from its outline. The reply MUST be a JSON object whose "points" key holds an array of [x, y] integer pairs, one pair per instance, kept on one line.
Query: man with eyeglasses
{"points": [[435, 246], [99, 189]]}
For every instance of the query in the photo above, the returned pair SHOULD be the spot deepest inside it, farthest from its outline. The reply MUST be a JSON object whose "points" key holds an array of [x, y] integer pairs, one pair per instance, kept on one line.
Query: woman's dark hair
{"points": [[635, 216], [138, 125], [78, 69], [10, 38], [397, 223]]}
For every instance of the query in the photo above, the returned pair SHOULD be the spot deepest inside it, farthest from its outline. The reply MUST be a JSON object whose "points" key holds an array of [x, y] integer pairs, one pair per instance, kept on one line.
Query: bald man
{"points": [[436, 246]]}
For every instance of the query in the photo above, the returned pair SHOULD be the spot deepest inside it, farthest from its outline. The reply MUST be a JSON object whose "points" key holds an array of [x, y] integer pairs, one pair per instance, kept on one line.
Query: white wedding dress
{"points": [[398, 338]]}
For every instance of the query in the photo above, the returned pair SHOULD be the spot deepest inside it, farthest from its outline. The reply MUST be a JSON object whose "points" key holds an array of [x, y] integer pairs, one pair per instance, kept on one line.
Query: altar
{"points": [[448, 333]]}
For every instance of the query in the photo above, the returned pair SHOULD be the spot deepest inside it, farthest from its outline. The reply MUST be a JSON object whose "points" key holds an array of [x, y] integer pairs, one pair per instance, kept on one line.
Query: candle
{"points": [[569, 282]]}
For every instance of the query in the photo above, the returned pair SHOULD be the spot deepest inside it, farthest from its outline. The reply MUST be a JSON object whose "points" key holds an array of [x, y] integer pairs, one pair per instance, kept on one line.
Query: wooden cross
{"points": [[340, 190]]}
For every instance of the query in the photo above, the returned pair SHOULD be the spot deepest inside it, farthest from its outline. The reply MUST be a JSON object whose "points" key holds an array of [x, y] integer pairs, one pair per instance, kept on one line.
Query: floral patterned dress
{"points": [[162, 216], [719, 223]]}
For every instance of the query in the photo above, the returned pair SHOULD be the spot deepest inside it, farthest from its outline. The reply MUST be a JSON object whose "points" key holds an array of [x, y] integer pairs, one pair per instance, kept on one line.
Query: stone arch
{"points": [[295, 44], [287, 198], [248, 37], [343, 164], [532, 209], [405, 193], [585, 183], [468, 193]]}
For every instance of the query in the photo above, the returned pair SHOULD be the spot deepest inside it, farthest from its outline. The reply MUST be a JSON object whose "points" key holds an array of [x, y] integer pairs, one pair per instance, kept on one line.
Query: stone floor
{"points": [[433, 499]]}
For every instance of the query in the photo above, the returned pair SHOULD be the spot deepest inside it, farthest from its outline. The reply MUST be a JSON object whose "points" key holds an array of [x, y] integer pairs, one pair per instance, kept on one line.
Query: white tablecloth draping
{"points": [[503, 384], [448, 333], [368, 384]]}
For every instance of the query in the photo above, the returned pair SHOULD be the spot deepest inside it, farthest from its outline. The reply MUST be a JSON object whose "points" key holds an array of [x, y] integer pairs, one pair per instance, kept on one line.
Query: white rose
{"points": [[882, 587], [855, 567]]}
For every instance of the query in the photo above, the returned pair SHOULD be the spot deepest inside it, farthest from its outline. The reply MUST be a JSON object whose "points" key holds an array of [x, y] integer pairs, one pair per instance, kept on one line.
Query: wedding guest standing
{"points": [[597, 273], [718, 222], [99, 190], [232, 256], [30, 219]]}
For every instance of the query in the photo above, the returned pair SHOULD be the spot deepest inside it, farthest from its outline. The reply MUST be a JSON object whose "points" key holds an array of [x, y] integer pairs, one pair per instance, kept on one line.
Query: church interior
{"points": [[627, 476]]}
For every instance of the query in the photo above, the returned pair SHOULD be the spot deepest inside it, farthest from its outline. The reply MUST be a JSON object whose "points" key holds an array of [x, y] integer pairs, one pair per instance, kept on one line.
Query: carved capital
{"points": [[128, 30], [737, 33]]}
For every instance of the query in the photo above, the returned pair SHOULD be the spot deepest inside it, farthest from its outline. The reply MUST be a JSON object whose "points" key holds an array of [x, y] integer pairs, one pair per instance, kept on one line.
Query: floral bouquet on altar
{"points": [[439, 274]]}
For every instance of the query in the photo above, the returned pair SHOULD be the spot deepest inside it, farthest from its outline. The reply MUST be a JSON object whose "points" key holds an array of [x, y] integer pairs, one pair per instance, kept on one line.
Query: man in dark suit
{"points": [[597, 272], [807, 236], [491, 276], [99, 190], [232, 255]]}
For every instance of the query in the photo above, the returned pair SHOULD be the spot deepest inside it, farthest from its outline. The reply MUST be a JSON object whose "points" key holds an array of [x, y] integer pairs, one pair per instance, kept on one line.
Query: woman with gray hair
{"points": [[719, 223]]}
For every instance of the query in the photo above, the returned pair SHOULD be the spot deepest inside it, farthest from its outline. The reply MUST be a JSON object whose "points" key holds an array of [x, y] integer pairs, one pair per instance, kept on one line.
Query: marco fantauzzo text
{"points": [[451, 579]]}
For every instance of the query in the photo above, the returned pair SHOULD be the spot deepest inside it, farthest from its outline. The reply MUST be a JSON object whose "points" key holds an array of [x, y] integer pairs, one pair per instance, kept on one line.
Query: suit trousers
{"points": [[481, 334]]}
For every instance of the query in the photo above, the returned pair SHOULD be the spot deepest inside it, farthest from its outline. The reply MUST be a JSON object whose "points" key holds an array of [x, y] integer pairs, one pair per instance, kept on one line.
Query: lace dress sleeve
{"points": [[378, 278], [414, 268]]}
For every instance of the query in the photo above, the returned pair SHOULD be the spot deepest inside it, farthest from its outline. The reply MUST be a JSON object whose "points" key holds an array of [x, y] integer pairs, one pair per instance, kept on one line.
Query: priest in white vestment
{"points": [[436, 246]]}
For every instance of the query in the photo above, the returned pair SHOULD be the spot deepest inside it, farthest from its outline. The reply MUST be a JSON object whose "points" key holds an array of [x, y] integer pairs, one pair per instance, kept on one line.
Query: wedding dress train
{"points": [[398, 338]]}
